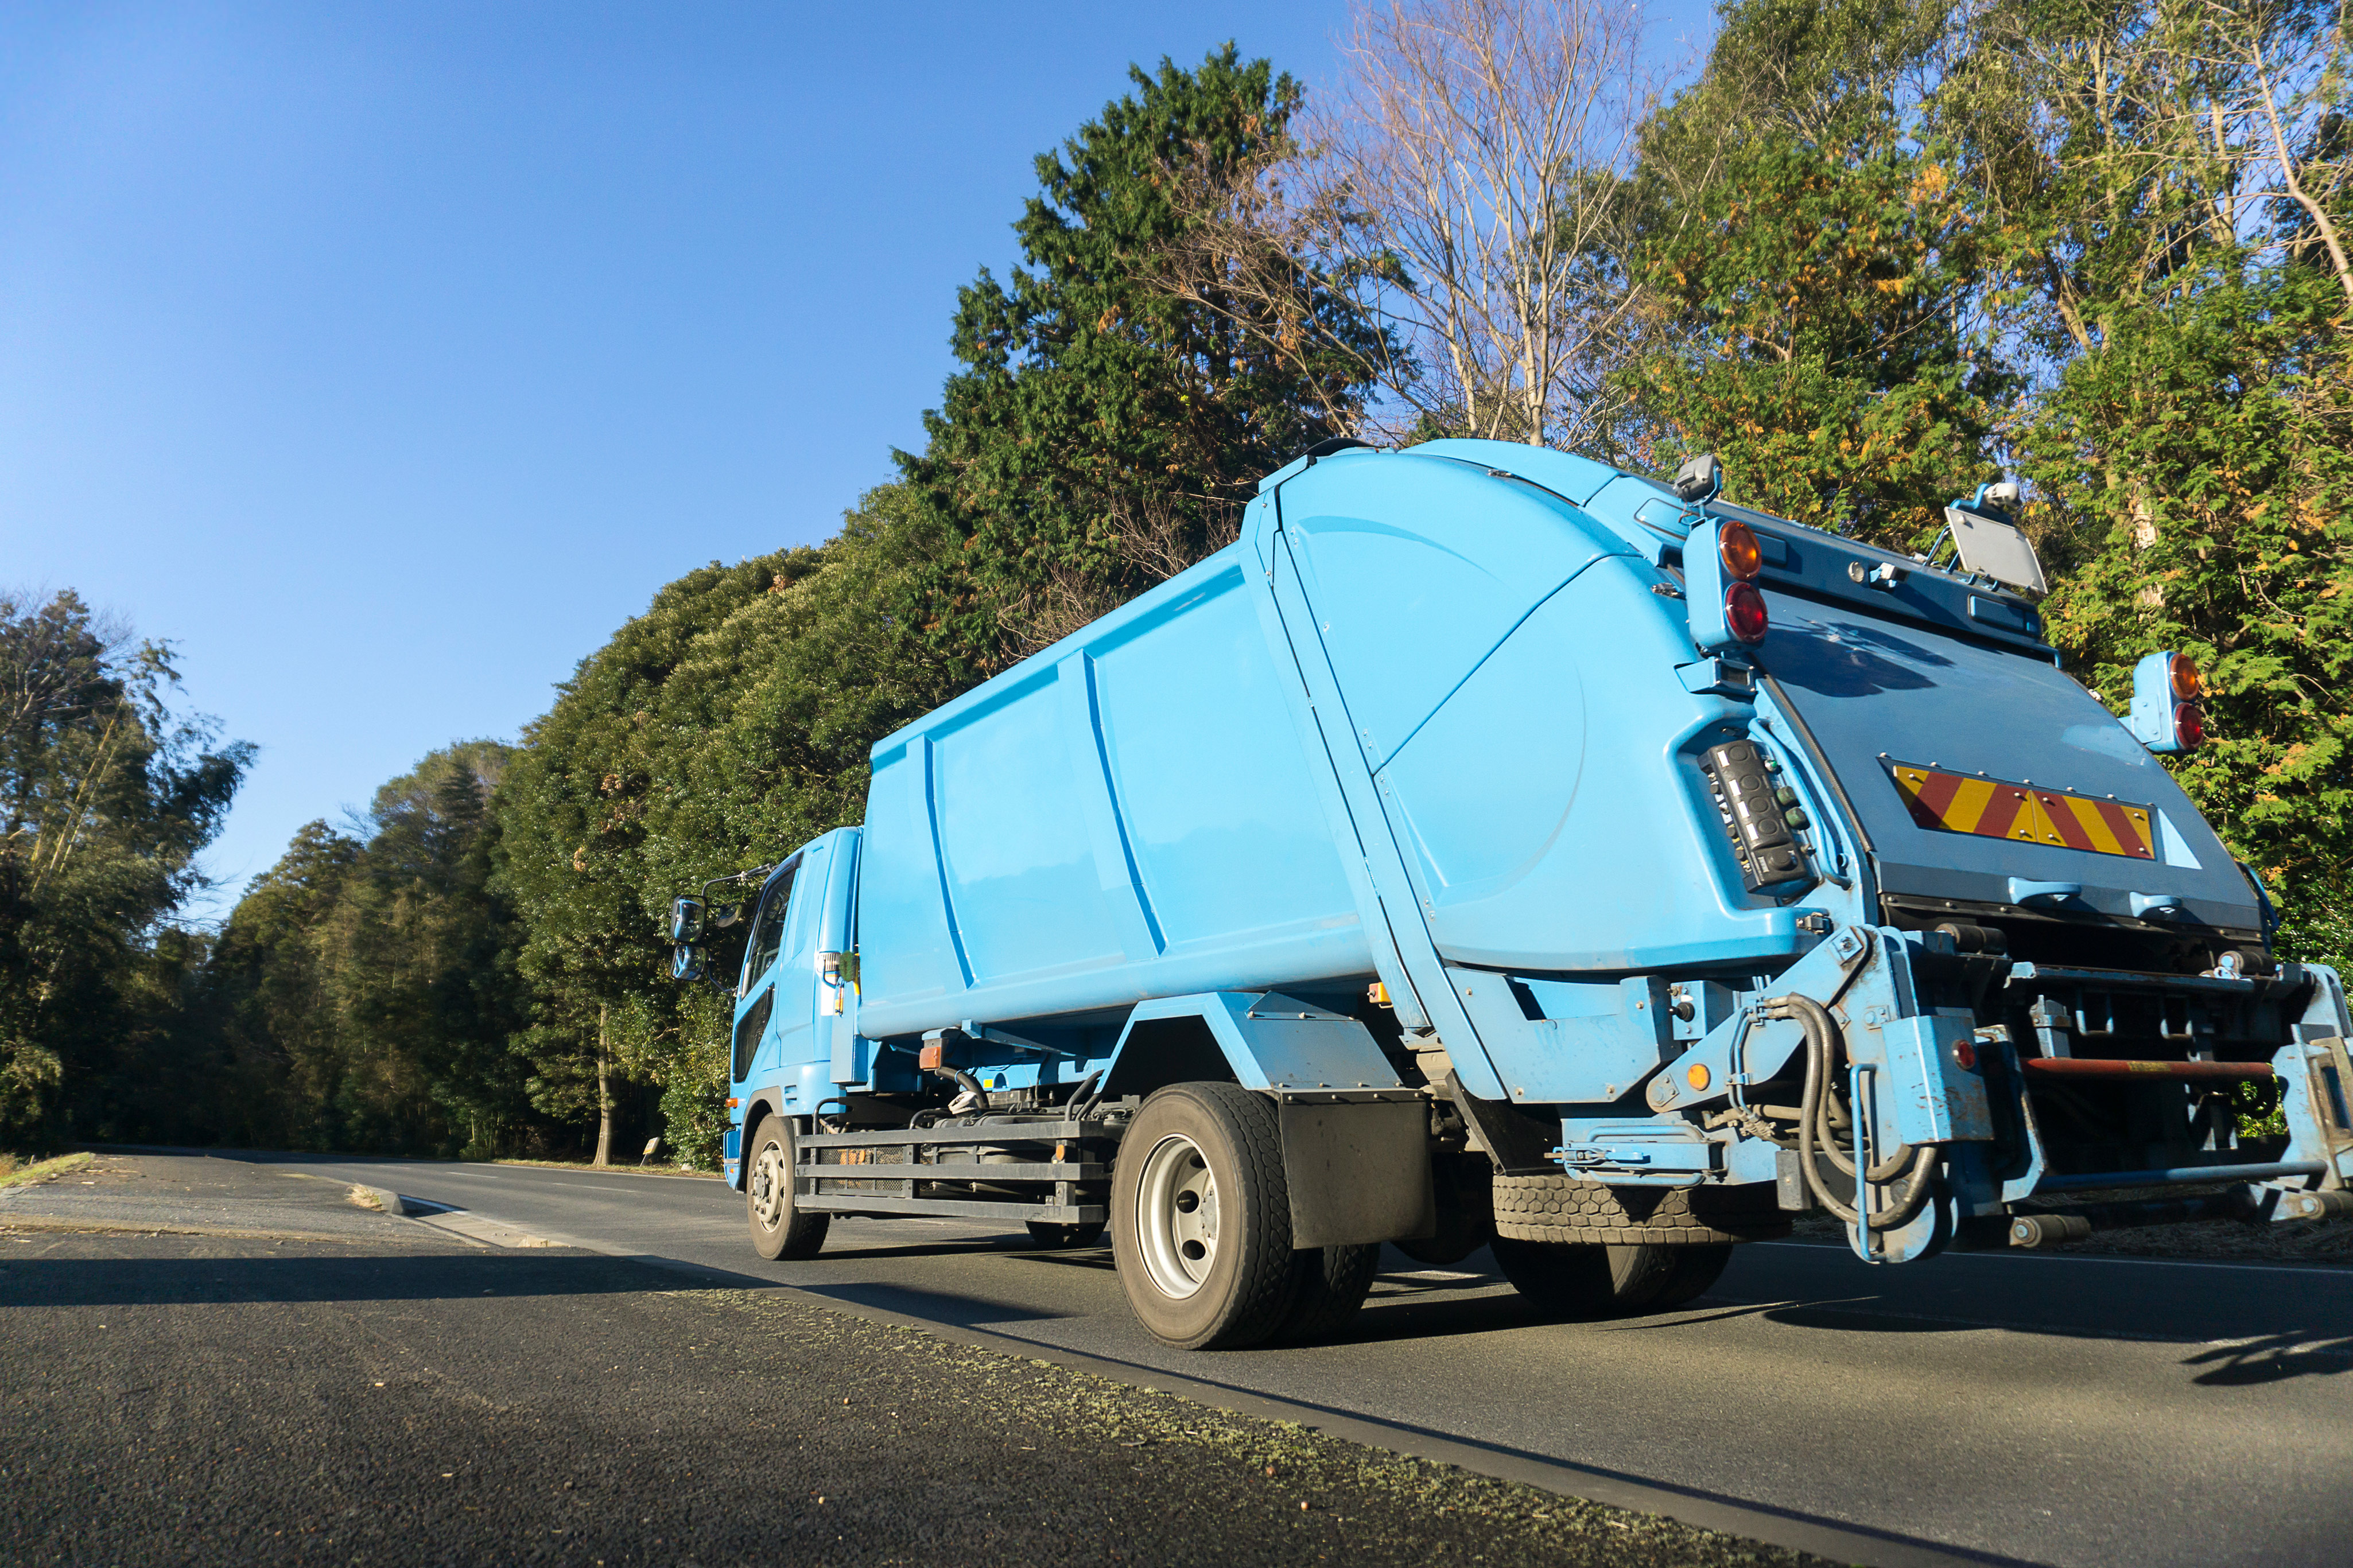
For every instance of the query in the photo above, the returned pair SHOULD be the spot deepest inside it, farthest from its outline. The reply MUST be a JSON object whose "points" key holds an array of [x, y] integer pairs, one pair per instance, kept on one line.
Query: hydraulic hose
{"points": [[1916, 1165], [971, 1087]]}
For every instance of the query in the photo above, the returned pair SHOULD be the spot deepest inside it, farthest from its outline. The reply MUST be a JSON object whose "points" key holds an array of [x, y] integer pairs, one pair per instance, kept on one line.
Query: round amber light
{"points": [[1739, 550], [2186, 685], [1697, 1075]]}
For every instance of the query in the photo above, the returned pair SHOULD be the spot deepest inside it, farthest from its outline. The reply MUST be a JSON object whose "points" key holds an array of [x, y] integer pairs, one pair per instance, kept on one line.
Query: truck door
{"points": [[795, 982], [755, 996]]}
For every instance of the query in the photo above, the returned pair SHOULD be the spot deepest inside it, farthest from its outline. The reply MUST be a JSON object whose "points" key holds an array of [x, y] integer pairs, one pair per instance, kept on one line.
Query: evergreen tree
{"points": [[363, 989], [1107, 427], [106, 798], [1815, 276], [2169, 182]]}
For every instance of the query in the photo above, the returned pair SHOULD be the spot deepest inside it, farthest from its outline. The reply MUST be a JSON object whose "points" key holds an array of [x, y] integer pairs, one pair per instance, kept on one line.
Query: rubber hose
{"points": [[1083, 1099], [966, 1082], [1920, 1163], [1816, 1021]]}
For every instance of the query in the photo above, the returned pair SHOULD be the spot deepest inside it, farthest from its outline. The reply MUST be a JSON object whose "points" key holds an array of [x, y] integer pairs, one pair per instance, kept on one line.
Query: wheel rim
{"points": [[1176, 1217], [768, 1178]]}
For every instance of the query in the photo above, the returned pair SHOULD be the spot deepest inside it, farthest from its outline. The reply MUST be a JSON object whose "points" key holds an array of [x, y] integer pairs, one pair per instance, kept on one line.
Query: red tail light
{"points": [[2188, 726], [1744, 612]]}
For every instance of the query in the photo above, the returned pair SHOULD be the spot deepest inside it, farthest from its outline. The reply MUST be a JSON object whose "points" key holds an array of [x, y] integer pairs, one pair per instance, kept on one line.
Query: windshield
{"points": [[768, 931]]}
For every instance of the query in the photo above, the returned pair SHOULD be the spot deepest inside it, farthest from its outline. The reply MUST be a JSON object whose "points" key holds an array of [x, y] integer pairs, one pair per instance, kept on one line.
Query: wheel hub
{"points": [[768, 1184], [1176, 1217]]}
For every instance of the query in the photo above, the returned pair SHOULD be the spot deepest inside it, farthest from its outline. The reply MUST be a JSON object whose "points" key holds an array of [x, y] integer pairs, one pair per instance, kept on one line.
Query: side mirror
{"points": [[686, 919], [686, 964]]}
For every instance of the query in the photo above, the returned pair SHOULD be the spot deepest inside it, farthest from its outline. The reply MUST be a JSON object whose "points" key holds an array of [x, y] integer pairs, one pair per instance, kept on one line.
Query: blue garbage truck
{"points": [[1491, 848]]}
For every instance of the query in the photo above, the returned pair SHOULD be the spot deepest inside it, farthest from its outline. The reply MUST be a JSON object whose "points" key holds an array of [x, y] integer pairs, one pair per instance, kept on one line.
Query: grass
{"points": [[13, 1174]]}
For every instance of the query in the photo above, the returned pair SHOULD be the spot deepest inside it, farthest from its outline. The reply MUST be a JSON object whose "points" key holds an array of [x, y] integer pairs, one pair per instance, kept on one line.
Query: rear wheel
{"points": [[1332, 1283], [1695, 1269], [1586, 1279], [780, 1228], [1464, 1186], [1201, 1219], [1061, 1236]]}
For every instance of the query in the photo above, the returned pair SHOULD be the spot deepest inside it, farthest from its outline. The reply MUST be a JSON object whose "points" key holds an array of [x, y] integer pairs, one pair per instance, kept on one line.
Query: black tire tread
{"points": [[1332, 1282], [1266, 1292], [1562, 1209]]}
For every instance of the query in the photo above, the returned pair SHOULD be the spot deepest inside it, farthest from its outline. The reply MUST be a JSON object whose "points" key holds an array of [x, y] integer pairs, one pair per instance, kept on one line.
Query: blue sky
{"points": [[386, 358]]}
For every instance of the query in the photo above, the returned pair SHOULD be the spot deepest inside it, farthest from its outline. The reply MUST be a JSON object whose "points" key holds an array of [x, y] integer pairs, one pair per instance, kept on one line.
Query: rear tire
{"points": [[1200, 1219], [1585, 1279], [780, 1228], [1463, 1185], [1332, 1283], [1046, 1234], [1695, 1270]]}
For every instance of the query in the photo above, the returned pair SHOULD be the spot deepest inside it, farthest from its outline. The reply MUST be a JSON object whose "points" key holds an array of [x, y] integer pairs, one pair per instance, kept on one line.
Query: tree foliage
{"points": [[1814, 281], [106, 797], [1109, 419], [363, 989]]}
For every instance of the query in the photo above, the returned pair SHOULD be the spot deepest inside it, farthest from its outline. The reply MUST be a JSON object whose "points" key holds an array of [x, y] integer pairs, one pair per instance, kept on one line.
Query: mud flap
{"points": [[1358, 1173]]}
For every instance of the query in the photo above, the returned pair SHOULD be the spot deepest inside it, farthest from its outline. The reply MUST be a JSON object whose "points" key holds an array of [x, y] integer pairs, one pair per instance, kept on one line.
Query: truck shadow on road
{"points": [[2268, 1354], [2273, 1359], [198, 1281], [953, 1308]]}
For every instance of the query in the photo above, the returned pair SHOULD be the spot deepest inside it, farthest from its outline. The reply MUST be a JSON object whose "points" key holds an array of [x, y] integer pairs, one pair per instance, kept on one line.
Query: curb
{"points": [[386, 1199]]}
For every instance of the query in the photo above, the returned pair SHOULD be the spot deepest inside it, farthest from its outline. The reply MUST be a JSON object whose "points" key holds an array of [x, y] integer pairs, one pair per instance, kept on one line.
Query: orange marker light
{"points": [[1742, 556], [1696, 1075], [2187, 683]]}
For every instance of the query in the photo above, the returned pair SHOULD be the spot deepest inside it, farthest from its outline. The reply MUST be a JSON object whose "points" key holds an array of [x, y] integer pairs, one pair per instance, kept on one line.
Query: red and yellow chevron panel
{"points": [[1996, 808]]}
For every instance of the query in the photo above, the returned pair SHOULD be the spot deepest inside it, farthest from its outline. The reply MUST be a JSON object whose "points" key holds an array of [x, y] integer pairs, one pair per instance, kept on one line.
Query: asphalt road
{"points": [[380, 1399], [2055, 1410], [2069, 1411]]}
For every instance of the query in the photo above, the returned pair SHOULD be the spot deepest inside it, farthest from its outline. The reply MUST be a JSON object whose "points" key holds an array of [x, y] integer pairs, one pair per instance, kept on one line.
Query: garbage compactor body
{"points": [[1425, 816]]}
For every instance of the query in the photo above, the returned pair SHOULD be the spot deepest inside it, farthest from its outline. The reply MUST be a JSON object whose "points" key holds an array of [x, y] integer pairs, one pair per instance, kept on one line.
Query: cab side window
{"points": [[768, 931]]}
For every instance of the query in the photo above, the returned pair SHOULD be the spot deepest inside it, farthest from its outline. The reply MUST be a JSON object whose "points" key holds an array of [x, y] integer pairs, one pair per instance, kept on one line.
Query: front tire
{"points": [[1201, 1219], [780, 1228]]}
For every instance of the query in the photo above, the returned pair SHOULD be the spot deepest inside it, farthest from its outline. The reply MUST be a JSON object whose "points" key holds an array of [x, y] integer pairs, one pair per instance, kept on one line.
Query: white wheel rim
{"points": [[769, 1175], [1176, 1217]]}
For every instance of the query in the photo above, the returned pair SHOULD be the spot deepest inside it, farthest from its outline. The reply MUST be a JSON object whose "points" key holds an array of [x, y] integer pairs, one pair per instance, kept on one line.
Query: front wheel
{"points": [[780, 1228], [1200, 1219]]}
